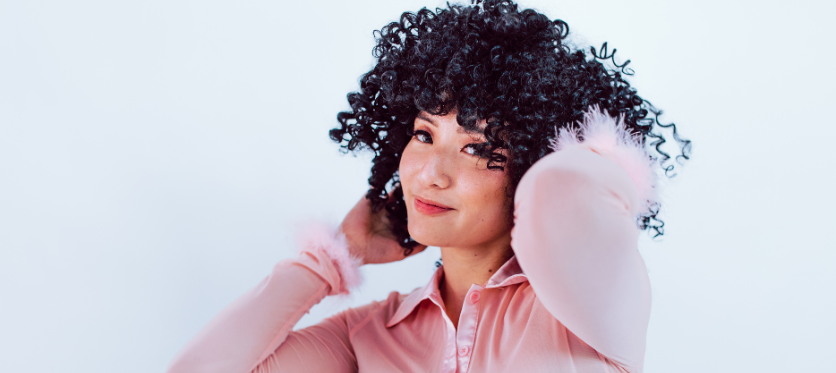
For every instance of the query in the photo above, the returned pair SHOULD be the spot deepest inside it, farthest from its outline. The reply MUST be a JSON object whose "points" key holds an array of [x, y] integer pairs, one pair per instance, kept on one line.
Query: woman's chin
{"points": [[430, 234]]}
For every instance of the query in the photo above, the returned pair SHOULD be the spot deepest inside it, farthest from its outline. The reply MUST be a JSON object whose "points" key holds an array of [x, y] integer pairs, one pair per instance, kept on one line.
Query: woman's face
{"points": [[452, 198]]}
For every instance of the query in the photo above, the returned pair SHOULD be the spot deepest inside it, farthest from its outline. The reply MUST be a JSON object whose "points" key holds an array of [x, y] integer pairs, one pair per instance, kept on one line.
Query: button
{"points": [[474, 296], [463, 351]]}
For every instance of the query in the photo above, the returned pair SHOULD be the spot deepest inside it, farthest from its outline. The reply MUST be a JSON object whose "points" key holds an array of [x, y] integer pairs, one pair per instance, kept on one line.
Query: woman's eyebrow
{"points": [[426, 119], [469, 131], [461, 129]]}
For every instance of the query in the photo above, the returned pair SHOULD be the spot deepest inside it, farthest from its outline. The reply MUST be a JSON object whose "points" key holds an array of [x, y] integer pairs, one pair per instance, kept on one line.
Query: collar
{"points": [[509, 274]]}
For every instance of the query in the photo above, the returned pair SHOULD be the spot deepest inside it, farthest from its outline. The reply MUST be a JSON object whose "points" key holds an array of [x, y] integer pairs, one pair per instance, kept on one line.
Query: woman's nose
{"points": [[434, 172]]}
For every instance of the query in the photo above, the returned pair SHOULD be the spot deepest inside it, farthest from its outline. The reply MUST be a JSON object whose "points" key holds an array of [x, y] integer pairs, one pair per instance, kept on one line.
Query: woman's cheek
{"points": [[406, 168], [486, 188]]}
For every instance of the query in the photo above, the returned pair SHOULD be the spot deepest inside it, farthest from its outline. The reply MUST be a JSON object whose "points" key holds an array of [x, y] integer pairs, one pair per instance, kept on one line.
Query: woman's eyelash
{"points": [[422, 135]]}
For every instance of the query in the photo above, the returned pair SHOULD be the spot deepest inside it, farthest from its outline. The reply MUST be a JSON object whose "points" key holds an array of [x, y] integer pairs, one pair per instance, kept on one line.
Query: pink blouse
{"points": [[574, 298]]}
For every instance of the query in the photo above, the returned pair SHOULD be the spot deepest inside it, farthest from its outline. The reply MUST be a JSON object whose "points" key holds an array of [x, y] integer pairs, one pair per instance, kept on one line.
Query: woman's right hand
{"points": [[369, 235]]}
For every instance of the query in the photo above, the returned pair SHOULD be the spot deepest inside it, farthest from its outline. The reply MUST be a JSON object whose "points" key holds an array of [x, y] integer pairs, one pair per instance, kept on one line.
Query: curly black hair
{"points": [[488, 60]]}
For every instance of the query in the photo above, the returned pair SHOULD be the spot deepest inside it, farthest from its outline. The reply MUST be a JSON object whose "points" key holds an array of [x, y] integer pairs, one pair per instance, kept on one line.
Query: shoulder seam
{"points": [[365, 321]]}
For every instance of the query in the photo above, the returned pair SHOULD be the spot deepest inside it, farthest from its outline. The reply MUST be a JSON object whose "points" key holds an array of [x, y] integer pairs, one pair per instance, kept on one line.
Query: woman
{"points": [[524, 161]]}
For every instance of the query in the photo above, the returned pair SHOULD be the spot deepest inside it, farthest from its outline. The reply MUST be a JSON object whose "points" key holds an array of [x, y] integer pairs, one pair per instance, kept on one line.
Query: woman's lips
{"points": [[427, 208]]}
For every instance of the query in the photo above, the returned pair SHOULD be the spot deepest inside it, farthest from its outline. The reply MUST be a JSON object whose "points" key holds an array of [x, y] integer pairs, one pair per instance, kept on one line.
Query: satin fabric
{"points": [[574, 298]]}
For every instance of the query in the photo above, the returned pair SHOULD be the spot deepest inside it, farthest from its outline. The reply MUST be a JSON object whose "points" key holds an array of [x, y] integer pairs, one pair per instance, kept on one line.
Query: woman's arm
{"points": [[254, 332], [246, 334], [575, 237]]}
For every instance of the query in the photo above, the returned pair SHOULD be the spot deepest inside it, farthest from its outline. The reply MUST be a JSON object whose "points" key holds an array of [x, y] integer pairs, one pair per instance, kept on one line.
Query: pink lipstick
{"points": [[428, 208]]}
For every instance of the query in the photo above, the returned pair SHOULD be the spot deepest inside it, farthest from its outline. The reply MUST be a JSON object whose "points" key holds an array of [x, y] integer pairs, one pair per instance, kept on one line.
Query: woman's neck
{"points": [[464, 267]]}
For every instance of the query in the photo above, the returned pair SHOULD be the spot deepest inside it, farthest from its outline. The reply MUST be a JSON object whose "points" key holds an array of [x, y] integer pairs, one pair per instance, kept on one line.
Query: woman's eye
{"points": [[424, 137], [470, 149]]}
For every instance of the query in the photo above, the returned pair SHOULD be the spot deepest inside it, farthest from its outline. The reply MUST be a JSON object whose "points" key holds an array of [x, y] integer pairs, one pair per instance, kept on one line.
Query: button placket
{"points": [[468, 322], [474, 297], [450, 364]]}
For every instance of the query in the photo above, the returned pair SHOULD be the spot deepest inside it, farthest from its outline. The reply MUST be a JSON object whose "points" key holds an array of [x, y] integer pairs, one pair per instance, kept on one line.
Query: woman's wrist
{"points": [[324, 250]]}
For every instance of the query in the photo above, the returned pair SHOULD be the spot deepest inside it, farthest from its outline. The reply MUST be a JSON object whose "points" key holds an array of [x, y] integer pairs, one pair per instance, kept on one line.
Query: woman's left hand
{"points": [[369, 235]]}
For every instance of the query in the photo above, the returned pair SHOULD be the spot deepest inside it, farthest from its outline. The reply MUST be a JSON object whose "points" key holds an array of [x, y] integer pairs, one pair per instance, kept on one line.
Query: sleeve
{"points": [[254, 333], [576, 236]]}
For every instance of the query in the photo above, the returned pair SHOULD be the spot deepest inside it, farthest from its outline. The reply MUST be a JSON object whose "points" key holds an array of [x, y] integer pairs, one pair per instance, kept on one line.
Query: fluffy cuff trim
{"points": [[609, 137], [327, 245]]}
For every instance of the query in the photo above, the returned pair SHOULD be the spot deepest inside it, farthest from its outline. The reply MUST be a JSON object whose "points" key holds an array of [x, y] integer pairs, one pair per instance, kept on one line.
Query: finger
{"points": [[417, 249], [388, 250]]}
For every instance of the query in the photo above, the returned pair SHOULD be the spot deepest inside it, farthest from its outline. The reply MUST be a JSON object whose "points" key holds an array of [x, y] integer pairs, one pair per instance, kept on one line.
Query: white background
{"points": [[155, 156]]}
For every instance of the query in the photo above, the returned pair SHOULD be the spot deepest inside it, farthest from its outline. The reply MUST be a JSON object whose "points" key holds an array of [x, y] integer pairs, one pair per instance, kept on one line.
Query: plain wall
{"points": [[155, 156]]}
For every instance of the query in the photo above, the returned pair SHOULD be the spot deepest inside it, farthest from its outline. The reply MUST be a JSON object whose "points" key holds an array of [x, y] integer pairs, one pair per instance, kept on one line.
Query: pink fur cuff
{"points": [[609, 137], [329, 257]]}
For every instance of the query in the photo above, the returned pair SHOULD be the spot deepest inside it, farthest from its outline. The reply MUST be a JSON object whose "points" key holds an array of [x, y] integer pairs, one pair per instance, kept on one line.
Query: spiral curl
{"points": [[513, 68]]}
